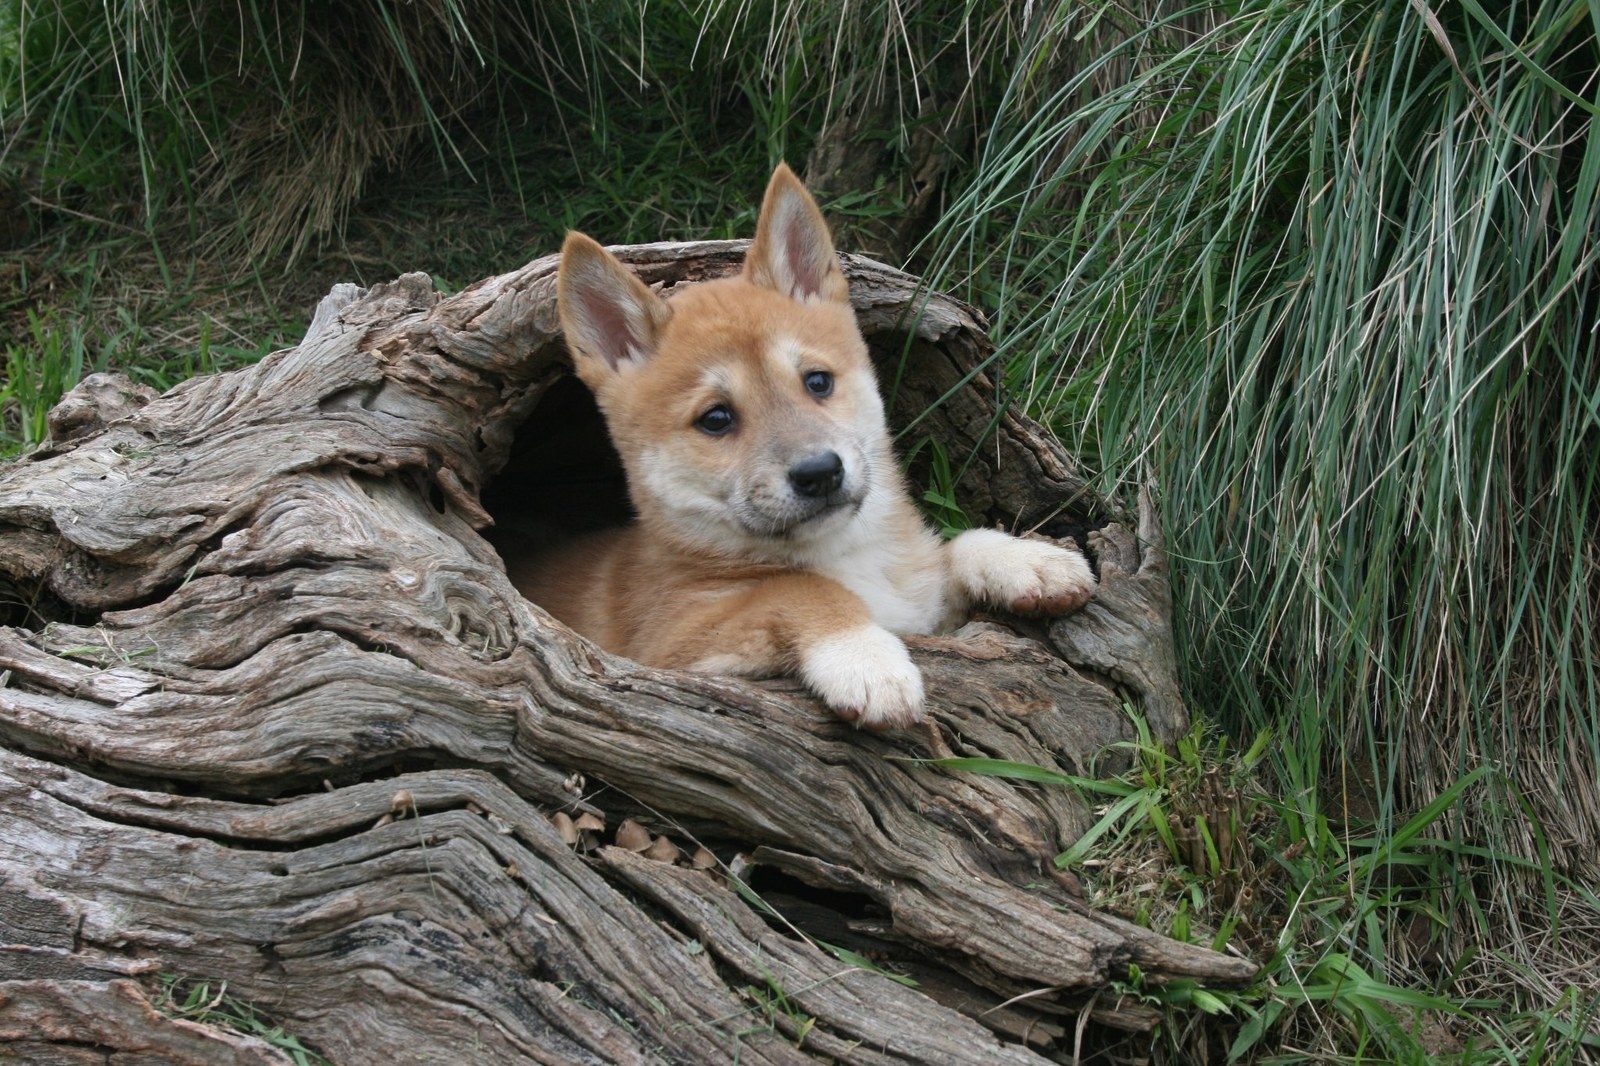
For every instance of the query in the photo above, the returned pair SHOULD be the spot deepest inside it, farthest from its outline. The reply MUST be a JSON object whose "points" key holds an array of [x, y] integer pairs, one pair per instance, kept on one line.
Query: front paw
{"points": [[1021, 576], [866, 676]]}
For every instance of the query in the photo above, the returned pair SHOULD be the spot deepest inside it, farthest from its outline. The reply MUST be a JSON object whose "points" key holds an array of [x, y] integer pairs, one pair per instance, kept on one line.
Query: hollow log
{"points": [[272, 717]]}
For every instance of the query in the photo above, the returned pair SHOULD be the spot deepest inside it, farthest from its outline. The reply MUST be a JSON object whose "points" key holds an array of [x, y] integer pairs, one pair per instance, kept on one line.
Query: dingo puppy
{"points": [[775, 533]]}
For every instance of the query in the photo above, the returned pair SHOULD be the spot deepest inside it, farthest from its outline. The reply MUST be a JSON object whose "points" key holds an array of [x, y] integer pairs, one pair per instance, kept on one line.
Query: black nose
{"points": [[817, 475]]}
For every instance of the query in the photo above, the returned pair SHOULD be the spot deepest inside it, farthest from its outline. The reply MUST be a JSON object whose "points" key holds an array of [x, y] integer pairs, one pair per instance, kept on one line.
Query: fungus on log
{"points": [[271, 715]]}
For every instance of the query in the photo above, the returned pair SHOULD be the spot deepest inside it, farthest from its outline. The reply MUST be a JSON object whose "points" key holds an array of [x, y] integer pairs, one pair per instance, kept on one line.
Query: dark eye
{"points": [[819, 383], [717, 421]]}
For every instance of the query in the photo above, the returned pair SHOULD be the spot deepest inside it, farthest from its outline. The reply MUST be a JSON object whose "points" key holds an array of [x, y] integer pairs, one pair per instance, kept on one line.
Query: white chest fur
{"points": [[902, 579]]}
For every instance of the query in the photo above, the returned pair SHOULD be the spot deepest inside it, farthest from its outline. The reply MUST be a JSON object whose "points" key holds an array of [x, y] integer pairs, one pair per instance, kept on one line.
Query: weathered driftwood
{"points": [[272, 715]]}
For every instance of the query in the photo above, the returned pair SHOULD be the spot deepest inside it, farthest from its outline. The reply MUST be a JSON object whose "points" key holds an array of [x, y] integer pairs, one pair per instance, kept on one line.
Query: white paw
{"points": [[866, 676], [1021, 576]]}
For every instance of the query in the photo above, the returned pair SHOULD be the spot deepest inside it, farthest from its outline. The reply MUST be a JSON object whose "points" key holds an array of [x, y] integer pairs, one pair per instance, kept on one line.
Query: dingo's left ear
{"points": [[609, 316], [793, 251]]}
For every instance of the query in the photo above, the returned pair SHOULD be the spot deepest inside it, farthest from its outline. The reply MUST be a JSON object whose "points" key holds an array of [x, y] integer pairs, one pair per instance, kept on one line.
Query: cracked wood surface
{"points": [[271, 714]]}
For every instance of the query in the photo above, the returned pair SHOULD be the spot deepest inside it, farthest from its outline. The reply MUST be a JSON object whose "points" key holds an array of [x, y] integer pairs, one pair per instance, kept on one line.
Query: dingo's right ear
{"points": [[607, 313]]}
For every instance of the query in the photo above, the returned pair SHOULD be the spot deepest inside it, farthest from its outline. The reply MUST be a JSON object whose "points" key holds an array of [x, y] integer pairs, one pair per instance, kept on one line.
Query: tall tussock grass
{"points": [[1327, 272], [283, 113], [286, 114]]}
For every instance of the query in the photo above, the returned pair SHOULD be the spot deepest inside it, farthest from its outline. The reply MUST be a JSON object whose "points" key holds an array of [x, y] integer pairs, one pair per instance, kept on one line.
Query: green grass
{"points": [[1195, 843], [38, 367], [86, 299], [197, 1001], [1324, 272]]}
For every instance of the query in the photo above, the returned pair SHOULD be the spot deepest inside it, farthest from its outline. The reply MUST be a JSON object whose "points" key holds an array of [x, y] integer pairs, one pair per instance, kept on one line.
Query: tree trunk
{"points": [[271, 715]]}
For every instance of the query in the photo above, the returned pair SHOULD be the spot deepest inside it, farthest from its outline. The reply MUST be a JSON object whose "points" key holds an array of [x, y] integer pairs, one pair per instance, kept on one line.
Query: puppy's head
{"points": [[745, 411]]}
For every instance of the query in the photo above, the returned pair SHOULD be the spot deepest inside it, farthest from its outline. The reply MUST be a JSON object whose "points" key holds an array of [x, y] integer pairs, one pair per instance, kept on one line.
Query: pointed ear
{"points": [[608, 315], [793, 251]]}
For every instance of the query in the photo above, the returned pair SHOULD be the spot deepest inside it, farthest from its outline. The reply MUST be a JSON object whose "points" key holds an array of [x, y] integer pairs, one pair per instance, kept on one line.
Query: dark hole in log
{"points": [[30, 605], [563, 476], [833, 917]]}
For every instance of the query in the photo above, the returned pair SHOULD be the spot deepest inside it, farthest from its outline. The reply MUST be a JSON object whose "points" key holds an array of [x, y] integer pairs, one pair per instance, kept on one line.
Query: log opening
{"points": [[561, 475]]}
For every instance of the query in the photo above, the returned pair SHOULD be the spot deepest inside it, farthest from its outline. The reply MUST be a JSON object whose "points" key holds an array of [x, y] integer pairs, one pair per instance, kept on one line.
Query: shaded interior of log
{"points": [[271, 714]]}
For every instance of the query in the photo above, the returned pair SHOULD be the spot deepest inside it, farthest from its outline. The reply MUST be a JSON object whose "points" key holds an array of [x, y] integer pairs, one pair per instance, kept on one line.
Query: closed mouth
{"points": [[800, 519]]}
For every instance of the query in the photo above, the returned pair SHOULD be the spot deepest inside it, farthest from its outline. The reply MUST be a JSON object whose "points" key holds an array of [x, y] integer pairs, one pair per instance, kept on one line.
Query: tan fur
{"points": [[740, 563]]}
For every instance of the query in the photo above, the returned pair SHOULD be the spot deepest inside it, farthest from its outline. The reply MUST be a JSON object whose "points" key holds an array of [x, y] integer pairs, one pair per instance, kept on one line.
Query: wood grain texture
{"points": [[271, 713]]}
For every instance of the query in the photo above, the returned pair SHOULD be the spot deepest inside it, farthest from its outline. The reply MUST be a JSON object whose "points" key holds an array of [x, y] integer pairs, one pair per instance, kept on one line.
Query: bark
{"points": [[272, 715]]}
